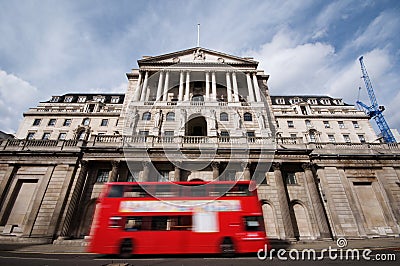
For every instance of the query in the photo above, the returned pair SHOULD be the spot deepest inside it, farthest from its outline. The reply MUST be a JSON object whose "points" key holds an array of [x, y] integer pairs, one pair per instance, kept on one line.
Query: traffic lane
{"points": [[15, 258]]}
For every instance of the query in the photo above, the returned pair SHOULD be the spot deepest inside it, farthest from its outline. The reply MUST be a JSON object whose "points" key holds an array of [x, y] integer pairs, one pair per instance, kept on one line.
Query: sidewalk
{"points": [[79, 246]]}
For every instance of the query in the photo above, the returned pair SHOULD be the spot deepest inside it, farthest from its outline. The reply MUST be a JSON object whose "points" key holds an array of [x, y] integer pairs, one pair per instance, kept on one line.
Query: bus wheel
{"points": [[126, 248], [227, 247]]}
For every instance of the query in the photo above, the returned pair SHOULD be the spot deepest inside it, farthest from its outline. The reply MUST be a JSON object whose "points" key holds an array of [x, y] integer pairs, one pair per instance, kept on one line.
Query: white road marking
{"points": [[20, 258]]}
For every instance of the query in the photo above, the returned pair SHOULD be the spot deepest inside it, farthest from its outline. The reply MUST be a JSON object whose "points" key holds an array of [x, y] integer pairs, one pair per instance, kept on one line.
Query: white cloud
{"points": [[294, 67], [15, 95]]}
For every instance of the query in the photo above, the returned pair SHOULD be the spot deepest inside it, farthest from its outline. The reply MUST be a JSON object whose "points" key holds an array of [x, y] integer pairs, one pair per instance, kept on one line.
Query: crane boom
{"points": [[375, 111], [368, 84]]}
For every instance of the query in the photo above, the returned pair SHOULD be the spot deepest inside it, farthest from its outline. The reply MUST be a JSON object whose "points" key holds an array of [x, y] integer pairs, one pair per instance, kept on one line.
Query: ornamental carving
{"points": [[199, 55]]}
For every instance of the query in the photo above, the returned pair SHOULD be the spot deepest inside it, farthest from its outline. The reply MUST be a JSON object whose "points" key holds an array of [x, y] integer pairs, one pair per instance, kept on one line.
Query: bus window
{"points": [[253, 223], [133, 224], [115, 191], [239, 190], [135, 192], [159, 223], [198, 191], [165, 191]]}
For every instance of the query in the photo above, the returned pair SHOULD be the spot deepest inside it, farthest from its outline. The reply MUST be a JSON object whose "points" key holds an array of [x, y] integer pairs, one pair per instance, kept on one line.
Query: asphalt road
{"points": [[10, 258]]}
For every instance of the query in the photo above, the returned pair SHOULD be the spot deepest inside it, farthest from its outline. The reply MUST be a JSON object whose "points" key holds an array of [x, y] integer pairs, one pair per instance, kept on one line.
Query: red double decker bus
{"points": [[178, 218]]}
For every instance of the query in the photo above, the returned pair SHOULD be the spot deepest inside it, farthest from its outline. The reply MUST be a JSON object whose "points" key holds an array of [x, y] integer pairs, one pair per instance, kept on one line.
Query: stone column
{"points": [[114, 172], [246, 170], [283, 202], [159, 86], [5, 185], [316, 201], [235, 87], [215, 168], [165, 94], [76, 195], [187, 86], [389, 180], [228, 87], [146, 171], [180, 93], [256, 88], [136, 95], [250, 88], [177, 173], [214, 86], [207, 86], [144, 88]]}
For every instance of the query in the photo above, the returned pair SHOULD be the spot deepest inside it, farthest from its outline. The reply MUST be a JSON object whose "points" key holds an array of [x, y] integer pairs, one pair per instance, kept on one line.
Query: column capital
{"points": [[215, 165], [245, 165], [307, 166], [177, 163], [146, 163], [276, 166], [115, 164], [84, 164]]}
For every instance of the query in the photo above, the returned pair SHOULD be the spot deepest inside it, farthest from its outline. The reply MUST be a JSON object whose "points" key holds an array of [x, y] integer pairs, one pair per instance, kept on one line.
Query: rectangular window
{"points": [[355, 124], [293, 136], [326, 124], [290, 124], [312, 137], [30, 135], [81, 99], [114, 99], [224, 136], [67, 122], [143, 133], [254, 223], [308, 123], [361, 138], [251, 136], [52, 122], [46, 136], [341, 124], [104, 122], [102, 175], [68, 99], [346, 138], [90, 108], [54, 99], [291, 179], [36, 122], [62, 136], [331, 138]]}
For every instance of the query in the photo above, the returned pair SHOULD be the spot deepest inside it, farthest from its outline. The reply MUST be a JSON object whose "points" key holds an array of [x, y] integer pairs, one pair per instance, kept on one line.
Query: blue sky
{"points": [[308, 47]]}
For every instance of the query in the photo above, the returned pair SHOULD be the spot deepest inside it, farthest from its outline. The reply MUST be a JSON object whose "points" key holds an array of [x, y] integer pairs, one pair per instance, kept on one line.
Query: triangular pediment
{"points": [[197, 55]]}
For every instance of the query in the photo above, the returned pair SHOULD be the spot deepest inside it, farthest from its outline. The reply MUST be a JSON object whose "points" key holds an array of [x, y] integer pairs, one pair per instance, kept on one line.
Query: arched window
{"points": [[247, 117], [146, 116], [170, 116], [224, 117]]}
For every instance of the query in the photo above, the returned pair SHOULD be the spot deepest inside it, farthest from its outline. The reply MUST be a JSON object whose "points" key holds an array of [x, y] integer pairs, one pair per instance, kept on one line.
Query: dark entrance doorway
{"points": [[196, 127]]}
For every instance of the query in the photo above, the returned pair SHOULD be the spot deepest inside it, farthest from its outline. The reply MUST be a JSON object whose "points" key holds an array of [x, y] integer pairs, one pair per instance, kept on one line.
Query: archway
{"points": [[301, 221], [196, 127], [271, 225]]}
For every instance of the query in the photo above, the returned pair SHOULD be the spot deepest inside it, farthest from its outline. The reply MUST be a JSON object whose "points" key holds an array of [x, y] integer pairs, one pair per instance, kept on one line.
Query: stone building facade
{"points": [[201, 114]]}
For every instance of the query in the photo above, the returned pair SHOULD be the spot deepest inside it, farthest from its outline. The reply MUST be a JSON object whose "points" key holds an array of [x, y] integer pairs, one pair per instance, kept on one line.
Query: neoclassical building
{"points": [[201, 114]]}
